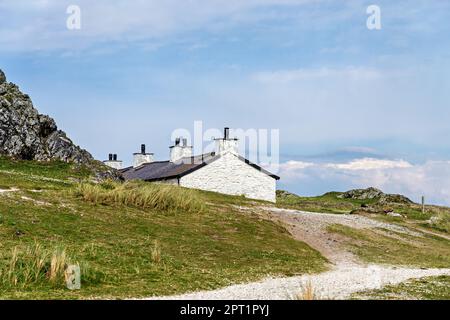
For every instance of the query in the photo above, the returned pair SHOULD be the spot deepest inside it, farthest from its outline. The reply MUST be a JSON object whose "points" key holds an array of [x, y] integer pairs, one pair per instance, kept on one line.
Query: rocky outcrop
{"points": [[28, 135], [285, 194], [2, 77], [373, 193]]}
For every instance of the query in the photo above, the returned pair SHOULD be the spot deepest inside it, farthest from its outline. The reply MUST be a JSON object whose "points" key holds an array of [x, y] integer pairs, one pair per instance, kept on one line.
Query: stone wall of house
{"points": [[141, 158], [230, 175], [177, 153], [114, 164]]}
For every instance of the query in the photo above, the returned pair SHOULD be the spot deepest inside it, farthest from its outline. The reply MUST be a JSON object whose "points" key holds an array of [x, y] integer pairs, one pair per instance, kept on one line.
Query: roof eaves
{"points": [[259, 168]]}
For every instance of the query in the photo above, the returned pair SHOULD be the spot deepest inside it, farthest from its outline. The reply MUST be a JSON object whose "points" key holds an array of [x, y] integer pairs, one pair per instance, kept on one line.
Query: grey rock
{"points": [[286, 194], [25, 134], [2, 77], [393, 214], [362, 194], [373, 193]]}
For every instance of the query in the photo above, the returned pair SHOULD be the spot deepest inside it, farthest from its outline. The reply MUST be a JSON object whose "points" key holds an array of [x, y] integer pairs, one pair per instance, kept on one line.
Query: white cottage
{"points": [[223, 171]]}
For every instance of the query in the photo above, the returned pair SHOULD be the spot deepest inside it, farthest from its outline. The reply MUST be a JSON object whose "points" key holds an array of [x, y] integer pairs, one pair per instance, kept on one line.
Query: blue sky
{"points": [[354, 107]]}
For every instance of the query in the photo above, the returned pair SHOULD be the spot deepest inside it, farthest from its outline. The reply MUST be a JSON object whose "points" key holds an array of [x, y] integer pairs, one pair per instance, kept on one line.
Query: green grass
{"points": [[142, 195], [134, 248], [51, 169], [328, 203], [429, 288], [388, 247], [435, 218]]}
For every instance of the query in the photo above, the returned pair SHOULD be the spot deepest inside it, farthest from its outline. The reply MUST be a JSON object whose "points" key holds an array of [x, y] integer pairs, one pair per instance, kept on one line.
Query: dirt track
{"points": [[347, 275]]}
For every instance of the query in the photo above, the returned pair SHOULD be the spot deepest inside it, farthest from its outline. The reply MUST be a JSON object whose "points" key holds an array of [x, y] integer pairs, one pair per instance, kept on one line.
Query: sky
{"points": [[354, 107]]}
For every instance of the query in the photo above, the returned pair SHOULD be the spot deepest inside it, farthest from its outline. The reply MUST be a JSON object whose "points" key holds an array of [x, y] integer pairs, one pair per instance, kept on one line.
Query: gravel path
{"points": [[347, 276], [336, 284], [317, 220], [311, 228]]}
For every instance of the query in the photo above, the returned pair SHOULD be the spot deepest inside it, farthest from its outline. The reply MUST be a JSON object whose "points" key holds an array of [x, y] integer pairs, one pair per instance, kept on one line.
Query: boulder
{"points": [[394, 214]]}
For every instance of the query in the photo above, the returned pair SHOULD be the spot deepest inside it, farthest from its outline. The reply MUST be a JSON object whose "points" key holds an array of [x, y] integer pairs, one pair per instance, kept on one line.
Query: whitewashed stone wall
{"points": [[179, 152], [226, 145], [113, 164], [230, 175], [142, 158]]}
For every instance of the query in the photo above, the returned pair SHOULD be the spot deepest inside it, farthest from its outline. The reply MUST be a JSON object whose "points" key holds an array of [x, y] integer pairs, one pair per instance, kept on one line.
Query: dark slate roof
{"points": [[165, 170]]}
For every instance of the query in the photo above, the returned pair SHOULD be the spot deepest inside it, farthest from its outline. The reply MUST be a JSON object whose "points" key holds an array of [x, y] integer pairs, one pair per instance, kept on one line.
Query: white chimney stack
{"points": [[142, 157], [226, 144], [112, 162], [180, 150]]}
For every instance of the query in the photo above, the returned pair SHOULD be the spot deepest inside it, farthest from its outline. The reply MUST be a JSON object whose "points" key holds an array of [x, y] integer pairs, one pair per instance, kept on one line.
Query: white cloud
{"points": [[349, 72], [370, 164], [431, 179], [294, 165]]}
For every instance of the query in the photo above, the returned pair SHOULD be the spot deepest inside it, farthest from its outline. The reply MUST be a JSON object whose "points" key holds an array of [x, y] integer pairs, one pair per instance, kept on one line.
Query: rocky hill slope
{"points": [[28, 135], [373, 193]]}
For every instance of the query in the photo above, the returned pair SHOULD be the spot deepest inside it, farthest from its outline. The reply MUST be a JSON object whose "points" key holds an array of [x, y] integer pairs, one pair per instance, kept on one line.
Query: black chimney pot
{"points": [[110, 157], [226, 133], [115, 157], [143, 148], [177, 141]]}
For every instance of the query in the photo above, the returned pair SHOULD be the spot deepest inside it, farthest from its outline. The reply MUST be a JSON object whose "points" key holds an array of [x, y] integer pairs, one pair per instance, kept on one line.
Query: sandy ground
{"points": [[347, 275]]}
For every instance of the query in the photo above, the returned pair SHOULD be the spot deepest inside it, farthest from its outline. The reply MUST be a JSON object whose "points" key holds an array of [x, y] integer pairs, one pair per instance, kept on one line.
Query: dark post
{"points": [[226, 133], [423, 204], [143, 148]]}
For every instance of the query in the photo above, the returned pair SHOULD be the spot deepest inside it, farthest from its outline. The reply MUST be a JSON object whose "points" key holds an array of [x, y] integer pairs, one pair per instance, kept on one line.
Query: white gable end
{"points": [[230, 175]]}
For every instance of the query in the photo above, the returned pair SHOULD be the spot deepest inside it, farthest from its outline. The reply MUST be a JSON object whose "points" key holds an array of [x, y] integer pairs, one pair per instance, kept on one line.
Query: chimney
{"points": [[140, 158], [226, 144], [112, 162], [180, 150]]}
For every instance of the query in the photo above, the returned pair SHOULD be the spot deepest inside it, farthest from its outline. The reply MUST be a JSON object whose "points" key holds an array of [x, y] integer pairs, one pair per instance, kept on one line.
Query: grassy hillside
{"points": [[130, 240], [435, 218]]}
